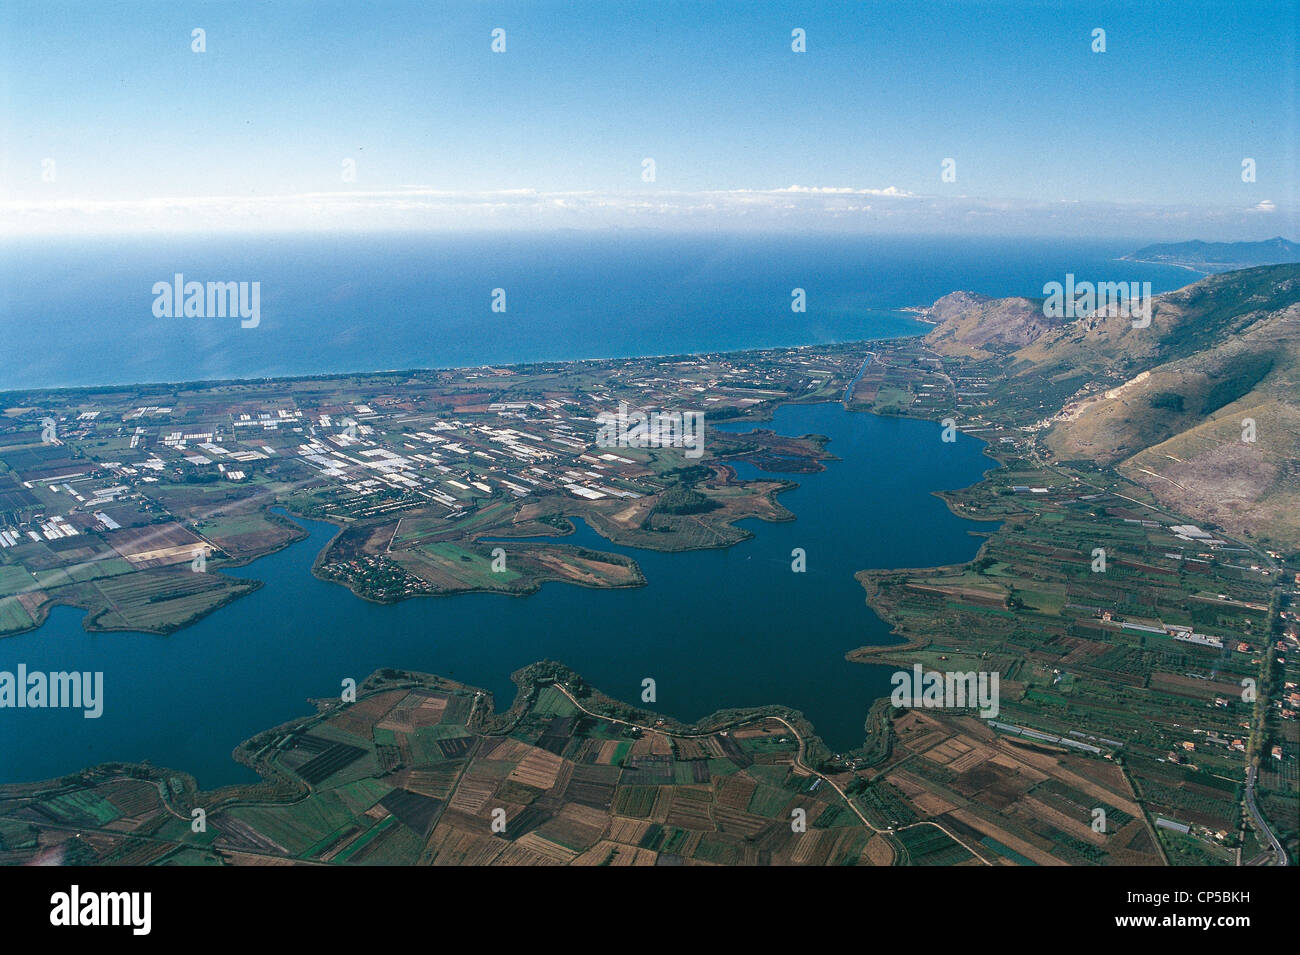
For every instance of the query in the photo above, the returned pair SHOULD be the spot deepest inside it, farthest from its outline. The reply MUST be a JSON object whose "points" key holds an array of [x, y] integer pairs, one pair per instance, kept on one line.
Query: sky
{"points": [[111, 121]]}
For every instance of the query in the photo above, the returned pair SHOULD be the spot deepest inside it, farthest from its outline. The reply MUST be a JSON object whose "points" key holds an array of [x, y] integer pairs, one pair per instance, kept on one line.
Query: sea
{"points": [[80, 312]]}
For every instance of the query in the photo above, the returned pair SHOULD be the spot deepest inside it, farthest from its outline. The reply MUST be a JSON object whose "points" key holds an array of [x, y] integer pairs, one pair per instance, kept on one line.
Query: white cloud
{"points": [[794, 208], [415, 206], [846, 190]]}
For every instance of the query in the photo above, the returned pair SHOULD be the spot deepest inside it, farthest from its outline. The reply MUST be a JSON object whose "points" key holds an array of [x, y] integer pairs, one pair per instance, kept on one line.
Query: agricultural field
{"points": [[422, 771], [1121, 629], [419, 770], [429, 475]]}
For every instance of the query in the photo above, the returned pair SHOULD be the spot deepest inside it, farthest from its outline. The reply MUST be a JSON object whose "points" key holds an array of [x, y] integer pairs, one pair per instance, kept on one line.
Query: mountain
{"points": [[968, 325], [1202, 406], [1209, 420], [1219, 256]]}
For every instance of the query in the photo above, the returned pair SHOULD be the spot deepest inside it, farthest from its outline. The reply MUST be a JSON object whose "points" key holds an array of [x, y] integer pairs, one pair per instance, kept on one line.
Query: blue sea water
{"points": [[77, 312]]}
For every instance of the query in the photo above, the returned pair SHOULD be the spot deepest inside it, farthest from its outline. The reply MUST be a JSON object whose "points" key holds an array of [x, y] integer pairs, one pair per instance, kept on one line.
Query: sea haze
{"points": [[79, 312]]}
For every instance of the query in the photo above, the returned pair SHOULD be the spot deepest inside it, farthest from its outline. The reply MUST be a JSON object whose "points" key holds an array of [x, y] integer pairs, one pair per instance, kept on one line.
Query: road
{"points": [[1260, 822], [799, 764]]}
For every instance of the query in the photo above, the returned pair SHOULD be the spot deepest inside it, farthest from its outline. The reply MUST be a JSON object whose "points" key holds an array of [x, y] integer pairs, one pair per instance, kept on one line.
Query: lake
{"points": [[714, 629]]}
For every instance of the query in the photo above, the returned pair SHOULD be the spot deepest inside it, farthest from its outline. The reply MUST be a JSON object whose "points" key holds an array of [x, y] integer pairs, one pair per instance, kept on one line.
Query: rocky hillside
{"points": [[1211, 420], [1202, 406], [970, 325]]}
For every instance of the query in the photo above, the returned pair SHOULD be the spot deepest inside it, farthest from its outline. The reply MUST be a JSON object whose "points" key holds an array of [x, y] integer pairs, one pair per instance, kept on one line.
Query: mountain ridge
{"points": [[1199, 406], [1218, 256]]}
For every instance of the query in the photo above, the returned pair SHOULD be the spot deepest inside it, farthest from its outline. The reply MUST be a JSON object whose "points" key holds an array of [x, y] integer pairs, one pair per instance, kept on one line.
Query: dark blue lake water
{"points": [[715, 629]]}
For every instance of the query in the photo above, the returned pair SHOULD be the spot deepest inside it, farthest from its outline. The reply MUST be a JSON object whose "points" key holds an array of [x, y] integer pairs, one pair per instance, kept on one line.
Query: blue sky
{"points": [[1046, 135]]}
